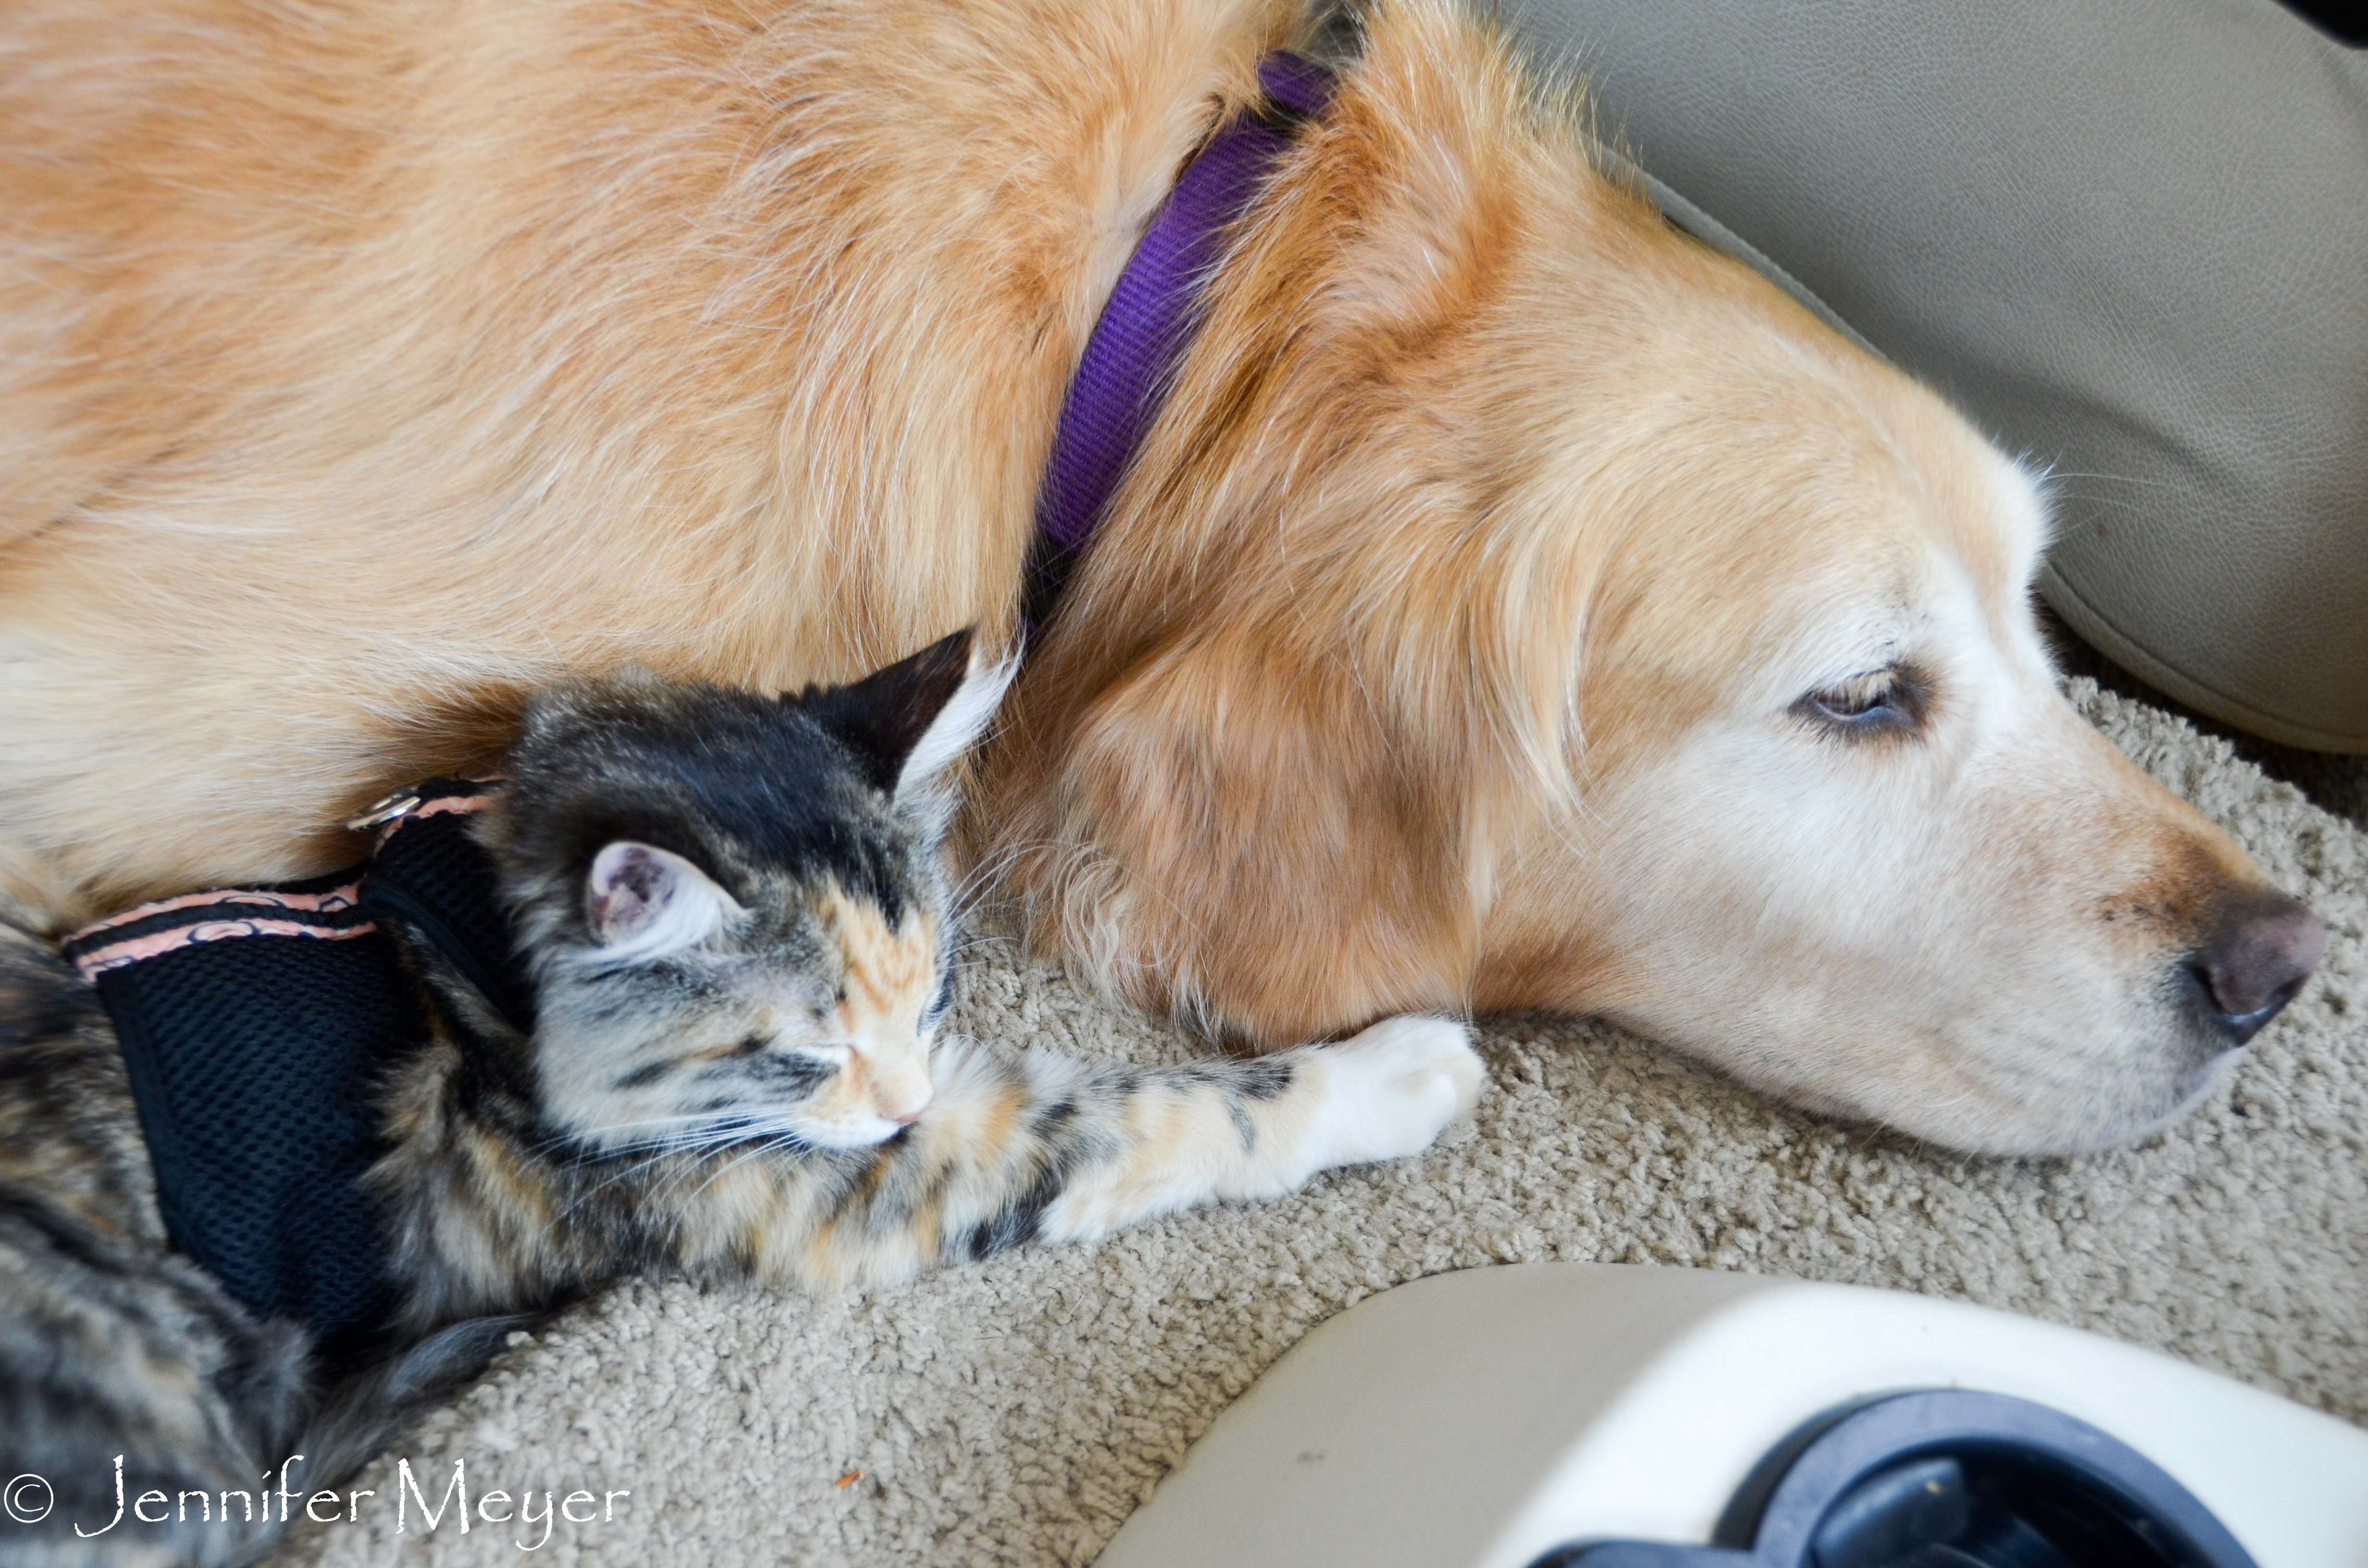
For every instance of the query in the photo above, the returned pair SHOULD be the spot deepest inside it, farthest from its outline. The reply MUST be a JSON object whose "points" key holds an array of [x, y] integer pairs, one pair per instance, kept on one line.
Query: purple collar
{"points": [[1150, 319]]}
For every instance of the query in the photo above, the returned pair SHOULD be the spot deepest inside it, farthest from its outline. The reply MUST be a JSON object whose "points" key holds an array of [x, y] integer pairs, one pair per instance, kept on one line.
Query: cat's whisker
{"points": [[781, 1140], [636, 1169], [981, 878], [710, 1163], [705, 1129], [602, 1146], [723, 1130]]}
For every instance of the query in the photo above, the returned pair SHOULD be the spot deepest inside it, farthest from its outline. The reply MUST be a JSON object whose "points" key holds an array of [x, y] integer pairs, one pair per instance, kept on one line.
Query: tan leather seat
{"points": [[2130, 241]]}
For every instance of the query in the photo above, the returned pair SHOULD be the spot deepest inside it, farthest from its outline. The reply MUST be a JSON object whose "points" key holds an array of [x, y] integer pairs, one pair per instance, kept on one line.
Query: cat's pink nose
{"points": [[910, 1113]]}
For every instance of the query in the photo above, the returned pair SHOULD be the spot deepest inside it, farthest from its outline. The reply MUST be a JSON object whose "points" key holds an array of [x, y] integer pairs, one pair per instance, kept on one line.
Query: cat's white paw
{"points": [[1392, 1090]]}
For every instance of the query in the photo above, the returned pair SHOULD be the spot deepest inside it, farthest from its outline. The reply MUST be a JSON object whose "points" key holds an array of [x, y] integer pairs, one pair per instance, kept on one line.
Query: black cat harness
{"points": [[256, 1026]]}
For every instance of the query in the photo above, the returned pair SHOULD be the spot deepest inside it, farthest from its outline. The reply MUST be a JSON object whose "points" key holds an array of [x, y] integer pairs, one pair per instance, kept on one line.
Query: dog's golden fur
{"points": [[363, 366], [448, 348]]}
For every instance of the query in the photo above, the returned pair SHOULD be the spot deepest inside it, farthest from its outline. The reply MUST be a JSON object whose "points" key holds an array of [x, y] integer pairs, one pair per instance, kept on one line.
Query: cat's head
{"points": [[733, 905]]}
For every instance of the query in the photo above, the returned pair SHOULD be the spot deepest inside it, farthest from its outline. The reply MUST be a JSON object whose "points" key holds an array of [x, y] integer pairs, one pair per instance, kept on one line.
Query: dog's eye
{"points": [[1887, 701]]}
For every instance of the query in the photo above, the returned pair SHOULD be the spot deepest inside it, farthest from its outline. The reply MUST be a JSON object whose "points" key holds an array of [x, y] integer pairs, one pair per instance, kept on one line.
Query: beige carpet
{"points": [[1017, 1413]]}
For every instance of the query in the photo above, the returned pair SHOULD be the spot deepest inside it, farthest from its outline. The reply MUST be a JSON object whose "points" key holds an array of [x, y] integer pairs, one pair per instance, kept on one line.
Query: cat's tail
{"points": [[359, 1417], [362, 1416]]}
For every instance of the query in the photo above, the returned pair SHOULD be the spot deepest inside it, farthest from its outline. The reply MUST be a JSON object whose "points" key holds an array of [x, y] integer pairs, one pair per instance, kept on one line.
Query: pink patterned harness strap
{"points": [[331, 913]]}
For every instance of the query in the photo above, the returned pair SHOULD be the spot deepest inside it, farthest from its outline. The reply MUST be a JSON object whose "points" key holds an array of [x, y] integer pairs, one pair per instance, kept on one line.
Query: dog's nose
{"points": [[2261, 947]]}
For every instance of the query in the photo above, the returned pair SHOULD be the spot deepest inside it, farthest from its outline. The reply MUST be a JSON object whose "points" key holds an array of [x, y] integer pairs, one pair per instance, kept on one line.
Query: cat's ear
{"points": [[645, 903], [908, 722]]}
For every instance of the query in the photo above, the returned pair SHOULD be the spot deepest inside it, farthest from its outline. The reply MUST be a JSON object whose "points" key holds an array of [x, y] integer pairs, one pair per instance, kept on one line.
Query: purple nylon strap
{"points": [[1152, 315]]}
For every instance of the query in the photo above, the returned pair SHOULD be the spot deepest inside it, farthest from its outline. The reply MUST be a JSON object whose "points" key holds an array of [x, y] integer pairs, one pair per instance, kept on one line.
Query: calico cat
{"points": [[738, 935]]}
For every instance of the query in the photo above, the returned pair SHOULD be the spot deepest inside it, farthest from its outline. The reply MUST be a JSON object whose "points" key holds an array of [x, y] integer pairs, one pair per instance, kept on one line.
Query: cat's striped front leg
{"points": [[1259, 1129]]}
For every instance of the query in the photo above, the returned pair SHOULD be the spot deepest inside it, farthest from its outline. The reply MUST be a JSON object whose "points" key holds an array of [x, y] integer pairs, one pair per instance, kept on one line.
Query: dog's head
{"points": [[1521, 606]]}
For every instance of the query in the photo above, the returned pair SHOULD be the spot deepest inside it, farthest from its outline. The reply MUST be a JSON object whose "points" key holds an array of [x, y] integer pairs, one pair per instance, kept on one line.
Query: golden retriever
{"points": [[1516, 604]]}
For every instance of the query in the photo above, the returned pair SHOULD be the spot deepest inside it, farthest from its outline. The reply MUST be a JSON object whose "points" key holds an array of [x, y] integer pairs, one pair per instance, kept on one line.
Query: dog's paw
{"points": [[1391, 1091]]}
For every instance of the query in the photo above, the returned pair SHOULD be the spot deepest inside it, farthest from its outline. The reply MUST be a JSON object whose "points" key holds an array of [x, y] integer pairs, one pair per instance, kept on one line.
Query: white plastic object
{"points": [[1479, 1419]]}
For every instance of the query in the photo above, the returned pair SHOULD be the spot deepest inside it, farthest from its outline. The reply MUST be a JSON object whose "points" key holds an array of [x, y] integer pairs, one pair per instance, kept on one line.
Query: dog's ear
{"points": [[1242, 839], [1320, 666], [1414, 164]]}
